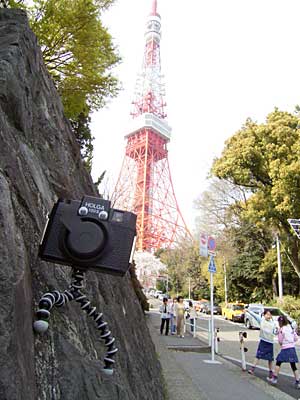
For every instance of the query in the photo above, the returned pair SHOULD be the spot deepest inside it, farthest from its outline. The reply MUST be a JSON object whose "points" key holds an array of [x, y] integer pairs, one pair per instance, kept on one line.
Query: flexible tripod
{"points": [[58, 299]]}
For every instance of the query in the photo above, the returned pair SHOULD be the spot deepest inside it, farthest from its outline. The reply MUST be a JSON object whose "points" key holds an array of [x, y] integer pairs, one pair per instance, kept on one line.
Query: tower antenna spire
{"points": [[154, 7]]}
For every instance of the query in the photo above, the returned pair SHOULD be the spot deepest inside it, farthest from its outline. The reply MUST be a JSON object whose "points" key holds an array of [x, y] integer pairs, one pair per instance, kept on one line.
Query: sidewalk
{"points": [[188, 377]]}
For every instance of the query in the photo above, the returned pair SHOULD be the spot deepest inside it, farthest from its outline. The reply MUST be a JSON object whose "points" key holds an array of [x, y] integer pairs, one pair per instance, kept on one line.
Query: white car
{"points": [[186, 303], [254, 313], [157, 294]]}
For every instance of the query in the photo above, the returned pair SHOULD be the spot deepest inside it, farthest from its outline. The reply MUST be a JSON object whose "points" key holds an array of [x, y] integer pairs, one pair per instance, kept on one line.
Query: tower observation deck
{"points": [[144, 185]]}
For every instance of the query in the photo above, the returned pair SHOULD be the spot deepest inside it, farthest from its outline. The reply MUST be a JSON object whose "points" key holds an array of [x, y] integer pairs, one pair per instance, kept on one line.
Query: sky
{"points": [[223, 61]]}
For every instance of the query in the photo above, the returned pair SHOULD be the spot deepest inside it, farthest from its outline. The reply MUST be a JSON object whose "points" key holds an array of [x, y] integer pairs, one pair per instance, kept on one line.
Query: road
{"points": [[229, 348], [229, 344], [189, 375]]}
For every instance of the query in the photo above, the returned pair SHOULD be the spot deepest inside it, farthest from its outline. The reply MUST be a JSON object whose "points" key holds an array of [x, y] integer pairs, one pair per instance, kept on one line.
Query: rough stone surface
{"points": [[39, 162]]}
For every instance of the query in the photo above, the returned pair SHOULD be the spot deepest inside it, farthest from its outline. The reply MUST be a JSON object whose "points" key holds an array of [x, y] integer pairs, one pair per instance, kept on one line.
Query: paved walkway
{"points": [[189, 377]]}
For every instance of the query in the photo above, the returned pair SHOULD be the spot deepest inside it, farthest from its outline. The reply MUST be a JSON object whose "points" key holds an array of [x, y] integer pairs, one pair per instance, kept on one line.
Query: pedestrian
{"points": [[287, 338], [173, 316], [193, 316], [164, 309], [179, 311], [265, 350]]}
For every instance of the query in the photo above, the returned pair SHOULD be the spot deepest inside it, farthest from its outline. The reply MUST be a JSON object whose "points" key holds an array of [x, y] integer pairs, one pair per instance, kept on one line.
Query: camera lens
{"points": [[87, 241]]}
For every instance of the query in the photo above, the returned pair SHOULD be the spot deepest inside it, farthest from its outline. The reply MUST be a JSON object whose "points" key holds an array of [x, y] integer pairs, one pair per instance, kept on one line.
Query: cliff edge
{"points": [[39, 162]]}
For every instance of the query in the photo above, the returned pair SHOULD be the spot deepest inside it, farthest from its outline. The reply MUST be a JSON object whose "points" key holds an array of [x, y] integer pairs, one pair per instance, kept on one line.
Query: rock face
{"points": [[39, 162]]}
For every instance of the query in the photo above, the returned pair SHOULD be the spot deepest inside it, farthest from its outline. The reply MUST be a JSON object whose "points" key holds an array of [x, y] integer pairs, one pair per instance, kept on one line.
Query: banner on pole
{"points": [[203, 244]]}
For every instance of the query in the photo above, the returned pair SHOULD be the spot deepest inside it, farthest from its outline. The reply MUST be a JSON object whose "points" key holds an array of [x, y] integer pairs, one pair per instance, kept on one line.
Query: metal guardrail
{"points": [[198, 328], [195, 326]]}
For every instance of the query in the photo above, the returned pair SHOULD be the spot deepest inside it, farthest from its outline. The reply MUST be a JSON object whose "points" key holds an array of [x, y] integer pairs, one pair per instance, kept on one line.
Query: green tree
{"points": [[84, 138], [184, 265], [246, 247], [264, 158], [247, 281], [79, 54]]}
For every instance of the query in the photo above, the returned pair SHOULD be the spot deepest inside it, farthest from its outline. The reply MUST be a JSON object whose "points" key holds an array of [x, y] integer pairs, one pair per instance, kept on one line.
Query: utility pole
{"points": [[225, 281], [189, 287], [280, 287]]}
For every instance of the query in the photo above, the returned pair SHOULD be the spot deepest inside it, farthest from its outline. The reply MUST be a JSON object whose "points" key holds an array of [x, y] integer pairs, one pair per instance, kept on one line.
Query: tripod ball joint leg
{"points": [[43, 313], [55, 298], [49, 300], [91, 311]]}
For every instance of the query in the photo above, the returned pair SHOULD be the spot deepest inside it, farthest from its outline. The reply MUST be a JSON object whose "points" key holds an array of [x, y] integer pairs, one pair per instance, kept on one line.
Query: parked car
{"points": [[234, 311], [162, 296], [157, 293], [254, 313], [202, 304], [186, 303], [217, 310]]}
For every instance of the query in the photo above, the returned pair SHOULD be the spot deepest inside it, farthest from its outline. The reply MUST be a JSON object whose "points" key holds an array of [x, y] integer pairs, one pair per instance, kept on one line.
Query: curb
{"points": [[258, 382], [193, 349]]}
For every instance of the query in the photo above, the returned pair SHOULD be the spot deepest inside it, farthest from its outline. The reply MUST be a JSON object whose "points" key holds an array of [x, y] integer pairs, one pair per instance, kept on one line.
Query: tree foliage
{"points": [[77, 50], [264, 158], [184, 267], [255, 190], [84, 138], [79, 54]]}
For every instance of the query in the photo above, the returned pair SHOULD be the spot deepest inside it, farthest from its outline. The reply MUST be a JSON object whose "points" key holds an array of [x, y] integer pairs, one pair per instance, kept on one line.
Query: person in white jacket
{"points": [[265, 350], [164, 309]]}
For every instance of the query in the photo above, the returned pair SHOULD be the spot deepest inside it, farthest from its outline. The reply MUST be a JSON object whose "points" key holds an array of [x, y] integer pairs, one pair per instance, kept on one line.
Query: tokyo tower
{"points": [[145, 185]]}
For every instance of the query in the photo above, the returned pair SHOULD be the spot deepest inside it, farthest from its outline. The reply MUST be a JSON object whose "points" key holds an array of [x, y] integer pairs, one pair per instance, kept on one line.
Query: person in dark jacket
{"points": [[164, 309]]}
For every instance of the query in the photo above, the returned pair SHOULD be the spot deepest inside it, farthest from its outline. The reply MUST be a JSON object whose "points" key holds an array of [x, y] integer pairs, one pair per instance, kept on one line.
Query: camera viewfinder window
{"points": [[117, 216]]}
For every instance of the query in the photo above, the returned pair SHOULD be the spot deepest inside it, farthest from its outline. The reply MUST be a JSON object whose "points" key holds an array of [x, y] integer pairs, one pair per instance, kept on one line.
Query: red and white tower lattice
{"points": [[144, 185]]}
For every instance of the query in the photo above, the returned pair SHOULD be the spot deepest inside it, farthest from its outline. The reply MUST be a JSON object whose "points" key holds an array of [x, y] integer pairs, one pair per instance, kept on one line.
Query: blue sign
{"points": [[211, 244], [212, 266], [203, 245]]}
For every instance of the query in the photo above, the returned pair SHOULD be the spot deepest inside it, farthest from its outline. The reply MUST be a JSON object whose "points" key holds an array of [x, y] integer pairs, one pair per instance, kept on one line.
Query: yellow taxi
{"points": [[234, 311]]}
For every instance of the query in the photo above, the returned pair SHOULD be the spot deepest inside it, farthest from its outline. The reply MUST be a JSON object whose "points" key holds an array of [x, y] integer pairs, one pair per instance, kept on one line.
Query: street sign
{"points": [[212, 269], [295, 224], [203, 245], [212, 266], [211, 245]]}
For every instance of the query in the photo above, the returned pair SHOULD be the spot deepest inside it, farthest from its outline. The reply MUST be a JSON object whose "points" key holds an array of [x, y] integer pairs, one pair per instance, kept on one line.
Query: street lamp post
{"points": [[225, 282], [280, 286], [167, 284]]}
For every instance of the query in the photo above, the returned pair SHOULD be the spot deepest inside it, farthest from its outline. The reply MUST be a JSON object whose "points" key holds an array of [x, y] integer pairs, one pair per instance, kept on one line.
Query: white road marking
{"points": [[251, 365]]}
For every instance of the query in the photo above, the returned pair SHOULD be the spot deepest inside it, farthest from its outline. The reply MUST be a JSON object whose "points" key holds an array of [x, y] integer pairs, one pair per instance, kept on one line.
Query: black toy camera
{"points": [[89, 235]]}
